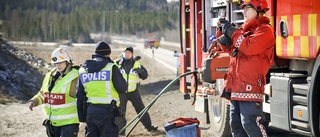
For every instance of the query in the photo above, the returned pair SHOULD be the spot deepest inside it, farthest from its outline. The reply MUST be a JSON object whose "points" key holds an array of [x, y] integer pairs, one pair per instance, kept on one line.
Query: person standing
{"points": [[132, 70], [58, 94], [251, 53], [98, 91]]}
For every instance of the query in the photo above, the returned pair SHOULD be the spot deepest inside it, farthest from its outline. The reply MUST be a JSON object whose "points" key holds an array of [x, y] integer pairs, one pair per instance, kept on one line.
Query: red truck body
{"points": [[293, 89]]}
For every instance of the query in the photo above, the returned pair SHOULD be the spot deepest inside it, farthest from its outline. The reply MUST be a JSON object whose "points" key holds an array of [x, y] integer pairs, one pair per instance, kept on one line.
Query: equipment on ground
{"points": [[183, 127], [292, 92]]}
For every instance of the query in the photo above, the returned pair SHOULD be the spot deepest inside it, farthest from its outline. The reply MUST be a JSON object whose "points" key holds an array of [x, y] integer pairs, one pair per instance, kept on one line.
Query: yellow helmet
{"points": [[60, 55]]}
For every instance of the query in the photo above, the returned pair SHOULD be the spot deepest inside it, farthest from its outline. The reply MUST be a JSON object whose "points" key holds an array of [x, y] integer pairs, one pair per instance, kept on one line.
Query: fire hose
{"points": [[157, 97]]}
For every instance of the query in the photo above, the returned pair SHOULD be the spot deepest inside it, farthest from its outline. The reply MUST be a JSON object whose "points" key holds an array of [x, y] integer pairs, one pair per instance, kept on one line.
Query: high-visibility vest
{"points": [[99, 86], [132, 78], [60, 107]]}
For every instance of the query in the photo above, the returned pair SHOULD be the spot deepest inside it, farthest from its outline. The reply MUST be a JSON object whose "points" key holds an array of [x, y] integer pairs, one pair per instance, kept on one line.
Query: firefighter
{"points": [[58, 94], [132, 70], [98, 91], [251, 50]]}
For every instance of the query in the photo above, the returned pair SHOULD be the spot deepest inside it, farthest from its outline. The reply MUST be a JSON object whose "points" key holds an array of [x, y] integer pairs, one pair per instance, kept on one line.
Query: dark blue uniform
{"points": [[99, 117]]}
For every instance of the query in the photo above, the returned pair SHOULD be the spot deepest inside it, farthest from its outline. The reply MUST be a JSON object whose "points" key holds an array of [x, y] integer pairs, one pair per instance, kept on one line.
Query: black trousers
{"points": [[138, 105], [100, 122], [66, 131]]}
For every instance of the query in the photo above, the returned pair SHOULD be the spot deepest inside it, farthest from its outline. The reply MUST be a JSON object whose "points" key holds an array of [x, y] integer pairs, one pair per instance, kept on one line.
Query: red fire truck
{"points": [[292, 93]]}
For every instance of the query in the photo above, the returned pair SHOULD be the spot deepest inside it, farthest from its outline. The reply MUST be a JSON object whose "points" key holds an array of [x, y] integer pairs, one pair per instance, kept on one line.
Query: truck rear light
{"points": [[299, 113]]}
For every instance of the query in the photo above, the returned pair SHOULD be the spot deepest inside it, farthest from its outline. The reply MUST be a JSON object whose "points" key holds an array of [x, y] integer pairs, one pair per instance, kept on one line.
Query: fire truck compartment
{"points": [[281, 100]]}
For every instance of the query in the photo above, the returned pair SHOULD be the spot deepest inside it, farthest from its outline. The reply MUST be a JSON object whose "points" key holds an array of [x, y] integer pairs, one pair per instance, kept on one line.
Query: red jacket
{"points": [[246, 76]]}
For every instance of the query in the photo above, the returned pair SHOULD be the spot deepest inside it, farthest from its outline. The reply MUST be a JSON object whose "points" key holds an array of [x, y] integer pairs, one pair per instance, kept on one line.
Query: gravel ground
{"points": [[19, 121]]}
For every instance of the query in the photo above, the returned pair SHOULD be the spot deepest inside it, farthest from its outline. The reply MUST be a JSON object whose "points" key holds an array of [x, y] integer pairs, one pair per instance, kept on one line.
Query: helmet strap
{"points": [[261, 13]]}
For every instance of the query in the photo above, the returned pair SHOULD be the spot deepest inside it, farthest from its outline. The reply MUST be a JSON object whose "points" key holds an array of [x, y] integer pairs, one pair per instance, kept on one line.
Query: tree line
{"points": [[52, 20]]}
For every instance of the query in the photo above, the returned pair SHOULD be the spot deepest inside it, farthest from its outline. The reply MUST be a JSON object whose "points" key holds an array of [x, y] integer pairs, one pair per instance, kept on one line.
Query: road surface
{"points": [[160, 55]]}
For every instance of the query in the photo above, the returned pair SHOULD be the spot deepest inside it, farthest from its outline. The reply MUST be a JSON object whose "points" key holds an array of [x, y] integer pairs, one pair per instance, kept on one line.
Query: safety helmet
{"points": [[259, 5], [60, 55]]}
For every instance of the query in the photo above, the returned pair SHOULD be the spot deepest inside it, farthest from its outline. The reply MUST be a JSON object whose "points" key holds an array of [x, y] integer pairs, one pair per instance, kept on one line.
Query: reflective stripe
{"points": [[62, 105], [132, 87], [41, 95], [70, 78], [246, 95], [61, 117], [102, 100], [239, 41], [263, 132], [99, 91], [133, 72], [108, 88], [135, 81], [132, 78]]}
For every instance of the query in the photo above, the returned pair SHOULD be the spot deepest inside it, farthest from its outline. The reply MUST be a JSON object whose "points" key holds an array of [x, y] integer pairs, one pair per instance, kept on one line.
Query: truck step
{"points": [[302, 100], [302, 132], [301, 89], [300, 126]]}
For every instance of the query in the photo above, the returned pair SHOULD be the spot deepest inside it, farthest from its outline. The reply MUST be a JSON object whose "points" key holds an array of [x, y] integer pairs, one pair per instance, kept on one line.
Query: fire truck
{"points": [[292, 92]]}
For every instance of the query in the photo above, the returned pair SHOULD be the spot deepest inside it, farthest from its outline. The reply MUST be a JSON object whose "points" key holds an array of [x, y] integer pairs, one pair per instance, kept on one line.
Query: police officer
{"points": [[58, 94], [132, 70], [99, 84]]}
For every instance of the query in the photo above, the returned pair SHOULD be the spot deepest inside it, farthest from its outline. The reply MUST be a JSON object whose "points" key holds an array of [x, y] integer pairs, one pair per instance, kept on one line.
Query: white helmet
{"points": [[60, 55]]}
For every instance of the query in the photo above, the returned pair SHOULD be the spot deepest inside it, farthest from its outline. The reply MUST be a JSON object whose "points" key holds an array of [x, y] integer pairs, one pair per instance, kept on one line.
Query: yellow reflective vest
{"points": [[60, 107], [132, 78], [99, 86]]}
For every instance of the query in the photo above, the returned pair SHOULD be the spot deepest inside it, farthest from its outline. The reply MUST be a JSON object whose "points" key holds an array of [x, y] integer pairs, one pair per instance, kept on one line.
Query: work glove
{"points": [[228, 29], [138, 70], [226, 95], [225, 41], [220, 22], [136, 58]]}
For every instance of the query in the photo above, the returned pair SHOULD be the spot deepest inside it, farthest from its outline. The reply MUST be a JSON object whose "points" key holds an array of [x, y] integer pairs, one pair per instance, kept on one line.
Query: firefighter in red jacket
{"points": [[251, 48]]}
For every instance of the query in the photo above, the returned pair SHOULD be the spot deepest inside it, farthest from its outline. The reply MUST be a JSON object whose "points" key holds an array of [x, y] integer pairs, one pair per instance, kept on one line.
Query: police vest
{"points": [[60, 107], [98, 86], [132, 78]]}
